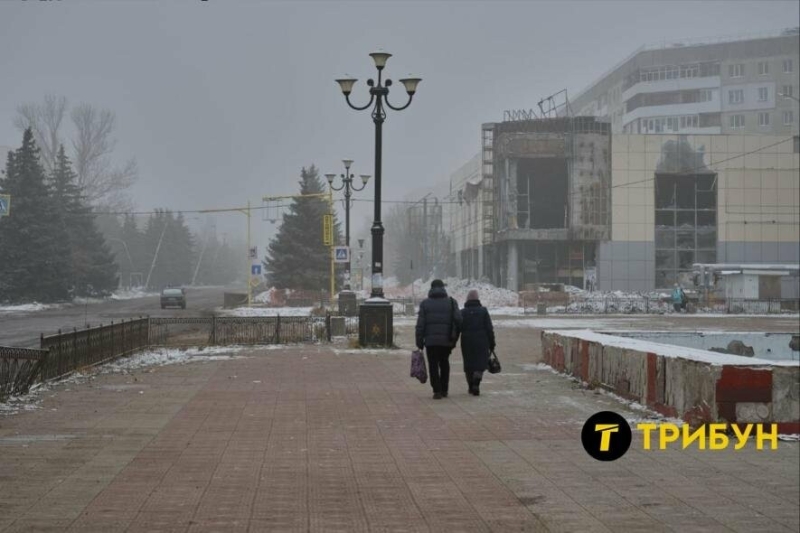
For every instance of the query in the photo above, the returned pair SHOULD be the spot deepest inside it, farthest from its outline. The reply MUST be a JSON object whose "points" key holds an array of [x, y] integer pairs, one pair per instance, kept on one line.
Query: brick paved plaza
{"points": [[320, 438]]}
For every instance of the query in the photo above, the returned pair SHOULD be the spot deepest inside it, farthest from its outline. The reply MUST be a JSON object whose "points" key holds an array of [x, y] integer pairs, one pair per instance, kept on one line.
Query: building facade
{"points": [[535, 204], [677, 200], [729, 86]]}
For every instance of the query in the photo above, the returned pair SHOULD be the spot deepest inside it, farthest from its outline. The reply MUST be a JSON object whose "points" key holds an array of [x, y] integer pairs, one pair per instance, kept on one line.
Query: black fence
{"points": [[227, 331], [19, 368], [72, 350], [68, 351]]}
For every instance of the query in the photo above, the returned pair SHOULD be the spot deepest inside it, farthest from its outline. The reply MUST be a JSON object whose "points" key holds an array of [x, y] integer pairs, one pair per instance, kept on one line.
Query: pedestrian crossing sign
{"points": [[341, 254], [5, 205]]}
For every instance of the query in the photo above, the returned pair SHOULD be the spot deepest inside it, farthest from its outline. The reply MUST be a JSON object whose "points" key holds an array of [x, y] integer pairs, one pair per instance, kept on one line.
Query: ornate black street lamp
{"points": [[347, 185], [375, 316]]}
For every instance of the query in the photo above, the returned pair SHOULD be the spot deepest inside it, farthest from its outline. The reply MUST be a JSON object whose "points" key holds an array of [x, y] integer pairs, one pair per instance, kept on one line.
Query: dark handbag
{"points": [[494, 364], [418, 366]]}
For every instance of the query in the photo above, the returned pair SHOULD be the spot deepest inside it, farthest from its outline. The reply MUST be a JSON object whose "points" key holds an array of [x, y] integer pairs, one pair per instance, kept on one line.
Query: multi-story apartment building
{"points": [[736, 85]]}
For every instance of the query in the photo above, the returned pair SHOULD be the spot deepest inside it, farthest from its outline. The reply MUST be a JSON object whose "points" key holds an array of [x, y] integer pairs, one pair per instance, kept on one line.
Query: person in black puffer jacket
{"points": [[438, 326], [477, 340]]}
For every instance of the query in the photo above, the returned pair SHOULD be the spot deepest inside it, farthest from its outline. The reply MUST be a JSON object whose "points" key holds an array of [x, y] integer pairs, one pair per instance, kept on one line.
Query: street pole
{"points": [[375, 317], [348, 187], [330, 250], [249, 262]]}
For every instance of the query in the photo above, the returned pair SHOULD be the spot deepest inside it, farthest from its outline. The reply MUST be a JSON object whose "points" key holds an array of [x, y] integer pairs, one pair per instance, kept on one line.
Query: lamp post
{"points": [[375, 323], [347, 185]]}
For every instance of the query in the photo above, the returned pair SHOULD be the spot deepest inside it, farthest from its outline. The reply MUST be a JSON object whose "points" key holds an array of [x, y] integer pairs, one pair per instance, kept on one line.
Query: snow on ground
{"points": [[266, 311], [123, 365], [131, 294], [21, 309], [169, 356]]}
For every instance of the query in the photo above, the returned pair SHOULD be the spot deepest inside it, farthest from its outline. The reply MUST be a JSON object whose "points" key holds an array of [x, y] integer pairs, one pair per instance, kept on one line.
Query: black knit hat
{"points": [[437, 283]]}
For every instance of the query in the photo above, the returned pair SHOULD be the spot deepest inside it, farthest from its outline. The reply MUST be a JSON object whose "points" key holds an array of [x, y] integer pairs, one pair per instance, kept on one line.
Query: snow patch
{"points": [[27, 308], [266, 311]]}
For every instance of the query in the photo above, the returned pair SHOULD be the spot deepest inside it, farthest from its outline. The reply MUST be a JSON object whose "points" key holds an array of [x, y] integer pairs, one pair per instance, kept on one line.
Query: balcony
{"points": [[672, 110], [678, 84]]}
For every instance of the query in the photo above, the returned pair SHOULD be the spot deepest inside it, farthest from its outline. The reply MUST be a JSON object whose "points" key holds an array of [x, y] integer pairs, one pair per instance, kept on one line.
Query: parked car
{"points": [[173, 297]]}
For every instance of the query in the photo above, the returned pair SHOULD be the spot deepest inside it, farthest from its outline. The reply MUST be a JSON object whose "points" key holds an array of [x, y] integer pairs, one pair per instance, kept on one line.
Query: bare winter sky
{"points": [[224, 101]]}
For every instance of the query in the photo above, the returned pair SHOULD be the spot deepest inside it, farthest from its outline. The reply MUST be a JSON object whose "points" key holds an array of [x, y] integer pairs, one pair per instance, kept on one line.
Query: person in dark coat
{"points": [[477, 340], [438, 326]]}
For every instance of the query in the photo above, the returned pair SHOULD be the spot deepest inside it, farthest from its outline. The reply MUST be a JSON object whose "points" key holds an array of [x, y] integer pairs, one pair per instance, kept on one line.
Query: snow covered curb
{"points": [[695, 385], [123, 365], [649, 414]]}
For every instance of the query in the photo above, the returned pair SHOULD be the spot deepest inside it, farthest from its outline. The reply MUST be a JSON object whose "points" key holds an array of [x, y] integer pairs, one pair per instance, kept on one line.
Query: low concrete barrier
{"points": [[696, 386]]}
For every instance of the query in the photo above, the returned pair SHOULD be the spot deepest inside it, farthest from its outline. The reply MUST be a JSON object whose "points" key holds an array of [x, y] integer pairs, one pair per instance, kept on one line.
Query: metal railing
{"points": [[70, 351], [19, 368], [227, 331]]}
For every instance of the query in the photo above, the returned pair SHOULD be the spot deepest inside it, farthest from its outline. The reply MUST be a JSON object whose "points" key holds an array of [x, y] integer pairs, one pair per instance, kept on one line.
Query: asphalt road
{"points": [[23, 330]]}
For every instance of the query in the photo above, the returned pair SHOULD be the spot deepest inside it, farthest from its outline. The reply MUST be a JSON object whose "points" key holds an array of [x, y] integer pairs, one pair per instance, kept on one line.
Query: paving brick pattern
{"points": [[312, 439]]}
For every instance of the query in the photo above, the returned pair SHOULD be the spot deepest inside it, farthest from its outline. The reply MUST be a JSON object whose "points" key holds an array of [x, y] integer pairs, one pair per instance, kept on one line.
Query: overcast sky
{"points": [[224, 101]]}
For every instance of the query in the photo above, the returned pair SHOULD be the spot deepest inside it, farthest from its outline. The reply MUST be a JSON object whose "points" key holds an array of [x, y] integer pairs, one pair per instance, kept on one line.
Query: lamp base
{"points": [[375, 323]]}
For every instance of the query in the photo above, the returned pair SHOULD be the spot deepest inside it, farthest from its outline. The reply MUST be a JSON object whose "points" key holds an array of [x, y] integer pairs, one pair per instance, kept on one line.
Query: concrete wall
{"points": [[697, 387]]}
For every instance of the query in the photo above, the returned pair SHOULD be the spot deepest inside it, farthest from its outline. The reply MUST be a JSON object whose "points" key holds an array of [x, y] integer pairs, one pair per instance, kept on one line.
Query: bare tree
{"points": [[103, 183], [45, 120], [92, 145]]}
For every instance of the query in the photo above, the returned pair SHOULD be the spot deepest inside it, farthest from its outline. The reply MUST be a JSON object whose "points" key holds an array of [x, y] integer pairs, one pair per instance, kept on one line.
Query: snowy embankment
{"points": [[123, 365], [21, 309], [34, 307], [265, 311]]}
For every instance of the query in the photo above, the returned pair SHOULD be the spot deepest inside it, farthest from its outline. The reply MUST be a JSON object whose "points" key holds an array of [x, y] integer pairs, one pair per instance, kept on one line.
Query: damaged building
{"points": [[536, 202], [561, 200]]}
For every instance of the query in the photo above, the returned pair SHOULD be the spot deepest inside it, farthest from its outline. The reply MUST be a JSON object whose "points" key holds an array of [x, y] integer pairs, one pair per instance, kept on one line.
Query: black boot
{"points": [[476, 383]]}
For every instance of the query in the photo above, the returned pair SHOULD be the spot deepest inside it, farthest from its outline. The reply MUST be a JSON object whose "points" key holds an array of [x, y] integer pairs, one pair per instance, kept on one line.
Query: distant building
{"points": [[563, 201], [724, 85]]}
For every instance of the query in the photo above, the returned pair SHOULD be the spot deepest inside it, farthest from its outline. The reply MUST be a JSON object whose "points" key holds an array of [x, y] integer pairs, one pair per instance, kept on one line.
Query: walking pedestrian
{"points": [[679, 298], [477, 340], [438, 327]]}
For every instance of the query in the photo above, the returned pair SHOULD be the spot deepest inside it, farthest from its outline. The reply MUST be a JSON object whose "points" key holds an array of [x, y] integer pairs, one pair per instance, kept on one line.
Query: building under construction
{"points": [[540, 205]]}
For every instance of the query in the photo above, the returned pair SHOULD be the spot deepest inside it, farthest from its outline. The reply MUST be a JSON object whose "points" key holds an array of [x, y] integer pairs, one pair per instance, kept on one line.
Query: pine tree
{"points": [[175, 258], [297, 257], [91, 270], [130, 258], [33, 239]]}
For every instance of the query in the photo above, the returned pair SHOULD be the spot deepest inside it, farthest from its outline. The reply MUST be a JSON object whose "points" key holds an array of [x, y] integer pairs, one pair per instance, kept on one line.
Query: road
{"points": [[23, 330]]}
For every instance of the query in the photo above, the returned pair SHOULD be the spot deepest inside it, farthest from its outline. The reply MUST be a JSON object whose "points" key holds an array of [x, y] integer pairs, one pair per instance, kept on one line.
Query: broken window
{"points": [[690, 200], [545, 183], [665, 218]]}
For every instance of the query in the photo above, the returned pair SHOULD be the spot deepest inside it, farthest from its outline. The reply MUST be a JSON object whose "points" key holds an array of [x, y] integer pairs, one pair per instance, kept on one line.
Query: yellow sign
{"points": [[327, 230]]}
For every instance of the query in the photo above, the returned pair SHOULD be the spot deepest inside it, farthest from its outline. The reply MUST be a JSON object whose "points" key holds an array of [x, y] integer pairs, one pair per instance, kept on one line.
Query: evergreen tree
{"points": [[297, 257], [91, 270], [33, 239], [174, 257]]}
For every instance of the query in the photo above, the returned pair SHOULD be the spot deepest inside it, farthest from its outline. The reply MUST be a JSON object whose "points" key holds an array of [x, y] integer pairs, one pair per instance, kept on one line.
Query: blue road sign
{"points": [[255, 270], [341, 254]]}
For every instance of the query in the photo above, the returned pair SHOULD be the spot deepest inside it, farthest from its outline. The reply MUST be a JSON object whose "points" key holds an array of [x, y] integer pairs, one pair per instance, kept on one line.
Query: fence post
{"points": [[112, 339], [278, 330], [74, 349], [328, 326], [214, 329]]}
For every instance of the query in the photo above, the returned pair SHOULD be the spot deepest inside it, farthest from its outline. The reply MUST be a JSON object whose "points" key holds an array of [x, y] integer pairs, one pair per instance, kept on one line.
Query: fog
{"points": [[222, 102]]}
